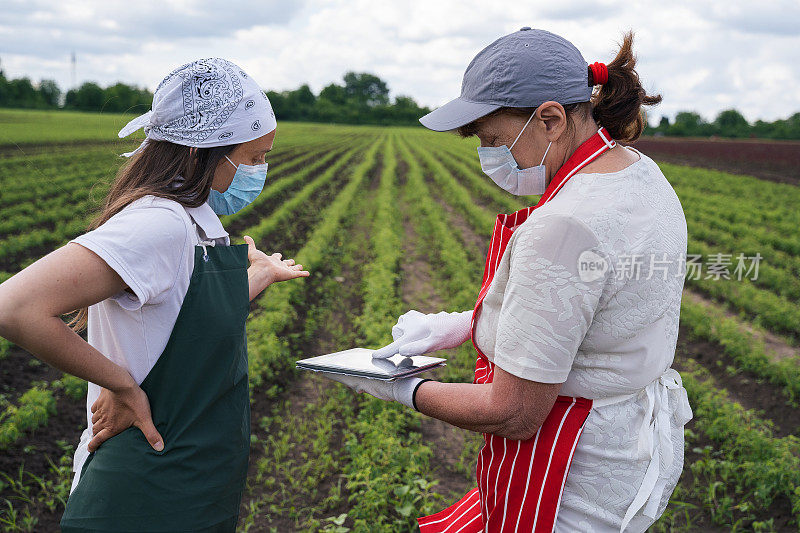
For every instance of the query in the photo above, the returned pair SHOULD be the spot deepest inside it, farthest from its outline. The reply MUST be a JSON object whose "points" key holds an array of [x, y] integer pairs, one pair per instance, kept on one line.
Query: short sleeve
{"points": [[145, 245], [557, 273]]}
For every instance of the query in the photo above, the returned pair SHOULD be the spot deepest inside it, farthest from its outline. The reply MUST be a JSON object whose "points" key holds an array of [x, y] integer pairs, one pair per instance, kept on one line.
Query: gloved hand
{"points": [[400, 390], [417, 333]]}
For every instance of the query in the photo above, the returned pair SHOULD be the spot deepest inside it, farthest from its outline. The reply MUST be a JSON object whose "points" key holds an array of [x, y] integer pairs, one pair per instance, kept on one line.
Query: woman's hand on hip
{"points": [[114, 412], [267, 269]]}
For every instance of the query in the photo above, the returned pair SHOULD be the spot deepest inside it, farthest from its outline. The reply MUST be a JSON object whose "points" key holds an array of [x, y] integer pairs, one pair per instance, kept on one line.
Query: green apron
{"points": [[199, 399]]}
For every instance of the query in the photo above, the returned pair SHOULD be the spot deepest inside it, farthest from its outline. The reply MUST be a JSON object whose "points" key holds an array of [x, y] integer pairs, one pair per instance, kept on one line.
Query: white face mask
{"points": [[498, 163]]}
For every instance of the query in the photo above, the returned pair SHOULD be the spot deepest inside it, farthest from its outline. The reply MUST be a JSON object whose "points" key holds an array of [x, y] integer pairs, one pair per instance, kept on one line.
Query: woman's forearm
{"points": [[257, 280], [52, 341], [509, 406], [465, 405]]}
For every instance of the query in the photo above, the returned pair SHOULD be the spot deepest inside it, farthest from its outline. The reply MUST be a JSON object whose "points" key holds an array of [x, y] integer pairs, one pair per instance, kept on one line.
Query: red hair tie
{"points": [[599, 73]]}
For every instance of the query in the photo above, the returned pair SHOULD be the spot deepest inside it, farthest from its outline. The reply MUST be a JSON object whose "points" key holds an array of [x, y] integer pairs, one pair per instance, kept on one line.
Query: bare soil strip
{"points": [[777, 346], [475, 244], [777, 161], [417, 290], [33, 454], [750, 391], [19, 370]]}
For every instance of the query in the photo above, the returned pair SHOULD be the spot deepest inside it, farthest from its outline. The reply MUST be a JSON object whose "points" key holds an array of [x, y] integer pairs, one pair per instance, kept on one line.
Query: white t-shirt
{"points": [[150, 244], [548, 318]]}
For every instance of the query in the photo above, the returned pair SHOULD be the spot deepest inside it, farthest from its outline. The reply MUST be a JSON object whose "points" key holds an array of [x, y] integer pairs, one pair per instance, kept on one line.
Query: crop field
{"points": [[387, 220]]}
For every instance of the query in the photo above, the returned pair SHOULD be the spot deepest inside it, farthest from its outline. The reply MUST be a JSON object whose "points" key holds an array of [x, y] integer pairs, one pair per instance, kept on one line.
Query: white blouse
{"points": [[588, 294]]}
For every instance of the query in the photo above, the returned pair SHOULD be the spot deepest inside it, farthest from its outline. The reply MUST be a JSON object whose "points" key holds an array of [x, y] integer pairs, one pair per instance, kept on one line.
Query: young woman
{"points": [[165, 296], [576, 321]]}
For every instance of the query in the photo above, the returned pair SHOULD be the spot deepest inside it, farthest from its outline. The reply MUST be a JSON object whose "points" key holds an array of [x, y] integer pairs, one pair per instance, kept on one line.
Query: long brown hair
{"points": [[152, 171], [616, 105]]}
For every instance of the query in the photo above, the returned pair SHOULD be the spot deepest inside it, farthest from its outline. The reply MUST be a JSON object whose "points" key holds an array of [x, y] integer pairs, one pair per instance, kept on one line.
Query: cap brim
{"points": [[455, 114]]}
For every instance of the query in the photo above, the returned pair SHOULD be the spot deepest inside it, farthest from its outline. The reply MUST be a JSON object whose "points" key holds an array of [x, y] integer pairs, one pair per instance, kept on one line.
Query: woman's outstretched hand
{"points": [[114, 412], [267, 269]]}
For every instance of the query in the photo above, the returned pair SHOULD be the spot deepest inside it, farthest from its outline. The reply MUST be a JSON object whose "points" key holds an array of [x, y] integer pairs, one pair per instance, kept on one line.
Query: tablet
{"points": [[359, 362]]}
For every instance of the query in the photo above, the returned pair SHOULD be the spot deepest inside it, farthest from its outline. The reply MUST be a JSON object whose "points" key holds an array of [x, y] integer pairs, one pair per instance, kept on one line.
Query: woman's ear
{"points": [[554, 119]]}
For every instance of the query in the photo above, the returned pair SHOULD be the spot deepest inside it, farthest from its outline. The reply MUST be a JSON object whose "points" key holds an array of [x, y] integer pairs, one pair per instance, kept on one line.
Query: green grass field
{"points": [[23, 127], [387, 220]]}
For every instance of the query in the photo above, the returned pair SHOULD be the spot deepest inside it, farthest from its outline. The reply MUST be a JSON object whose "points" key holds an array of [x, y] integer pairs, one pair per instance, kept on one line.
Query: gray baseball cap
{"points": [[522, 69]]}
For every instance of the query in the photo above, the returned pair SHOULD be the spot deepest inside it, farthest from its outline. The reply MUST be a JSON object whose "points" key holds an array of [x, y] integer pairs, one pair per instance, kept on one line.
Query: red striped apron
{"points": [[520, 482]]}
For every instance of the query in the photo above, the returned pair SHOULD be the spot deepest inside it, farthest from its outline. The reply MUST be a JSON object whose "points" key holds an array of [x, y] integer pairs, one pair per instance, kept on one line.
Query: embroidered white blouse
{"points": [[588, 294]]}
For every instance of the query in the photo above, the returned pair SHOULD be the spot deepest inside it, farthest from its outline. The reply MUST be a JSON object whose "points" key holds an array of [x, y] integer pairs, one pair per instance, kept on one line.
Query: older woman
{"points": [[576, 321], [166, 297]]}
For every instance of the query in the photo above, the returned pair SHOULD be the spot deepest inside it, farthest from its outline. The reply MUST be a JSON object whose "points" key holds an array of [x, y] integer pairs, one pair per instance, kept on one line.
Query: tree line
{"points": [[729, 123], [117, 98], [362, 98]]}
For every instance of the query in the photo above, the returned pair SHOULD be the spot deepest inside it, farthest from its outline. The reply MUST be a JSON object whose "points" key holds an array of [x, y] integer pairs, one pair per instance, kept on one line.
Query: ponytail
{"points": [[617, 105]]}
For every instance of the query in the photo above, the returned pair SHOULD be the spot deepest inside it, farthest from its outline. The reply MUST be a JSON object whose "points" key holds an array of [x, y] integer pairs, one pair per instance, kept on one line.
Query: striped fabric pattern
{"points": [[520, 482], [464, 516]]}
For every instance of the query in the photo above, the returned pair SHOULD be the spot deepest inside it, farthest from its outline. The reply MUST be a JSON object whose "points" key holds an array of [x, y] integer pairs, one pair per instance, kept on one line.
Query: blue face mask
{"points": [[246, 186]]}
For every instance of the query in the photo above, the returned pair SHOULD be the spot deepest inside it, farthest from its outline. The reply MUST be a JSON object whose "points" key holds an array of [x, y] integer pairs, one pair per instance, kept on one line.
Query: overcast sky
{"points": [[700, 55]]}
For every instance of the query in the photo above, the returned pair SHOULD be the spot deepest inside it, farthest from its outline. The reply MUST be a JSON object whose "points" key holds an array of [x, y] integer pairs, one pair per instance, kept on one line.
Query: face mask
{"points": [[245, 187], [498, 163]]}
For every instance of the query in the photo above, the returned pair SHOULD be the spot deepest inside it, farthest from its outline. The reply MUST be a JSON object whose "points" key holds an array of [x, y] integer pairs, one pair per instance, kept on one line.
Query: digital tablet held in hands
{"points": [[359, 362]]}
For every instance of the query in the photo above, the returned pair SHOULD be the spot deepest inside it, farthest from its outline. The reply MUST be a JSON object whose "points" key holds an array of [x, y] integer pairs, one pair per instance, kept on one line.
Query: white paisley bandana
{"points": [[205, 103]]}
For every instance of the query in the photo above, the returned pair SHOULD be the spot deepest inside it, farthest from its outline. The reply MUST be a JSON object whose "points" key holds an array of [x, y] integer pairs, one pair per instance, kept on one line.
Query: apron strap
{"points": [[202, 242]]}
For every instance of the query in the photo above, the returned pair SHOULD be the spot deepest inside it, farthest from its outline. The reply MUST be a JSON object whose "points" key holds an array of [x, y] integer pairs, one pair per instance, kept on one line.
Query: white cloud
{"points": [[704, 56]]}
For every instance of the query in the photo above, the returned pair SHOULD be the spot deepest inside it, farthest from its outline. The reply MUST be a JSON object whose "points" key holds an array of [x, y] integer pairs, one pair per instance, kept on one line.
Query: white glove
{"points": [[400, 390], [417, 333]]}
